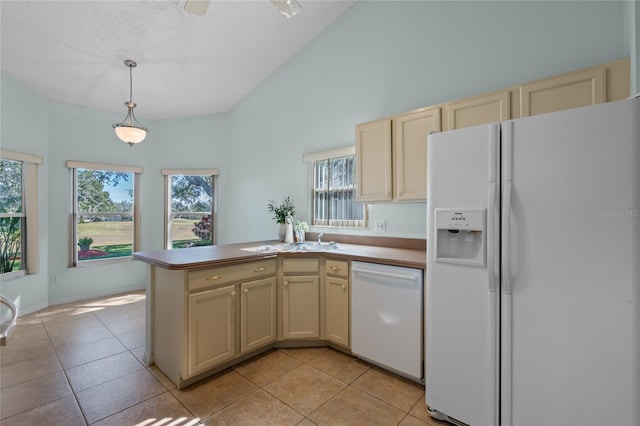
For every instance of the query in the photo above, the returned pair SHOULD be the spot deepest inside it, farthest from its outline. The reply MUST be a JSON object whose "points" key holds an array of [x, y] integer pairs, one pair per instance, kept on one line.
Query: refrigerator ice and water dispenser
{"points": [[461, 236]]}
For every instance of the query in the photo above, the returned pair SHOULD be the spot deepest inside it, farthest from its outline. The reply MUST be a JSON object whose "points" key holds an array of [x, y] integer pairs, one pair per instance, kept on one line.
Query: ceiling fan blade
{"points": [[197, 7]]}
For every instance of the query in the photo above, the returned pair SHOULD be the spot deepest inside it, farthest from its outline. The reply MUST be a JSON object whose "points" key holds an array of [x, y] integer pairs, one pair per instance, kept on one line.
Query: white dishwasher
{"points": [[387, 317]]}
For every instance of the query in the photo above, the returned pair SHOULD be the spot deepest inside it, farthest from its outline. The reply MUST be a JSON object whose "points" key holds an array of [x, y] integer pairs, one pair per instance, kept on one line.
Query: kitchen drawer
{"points": [[296, 266], [339, 268], [226, 274]]}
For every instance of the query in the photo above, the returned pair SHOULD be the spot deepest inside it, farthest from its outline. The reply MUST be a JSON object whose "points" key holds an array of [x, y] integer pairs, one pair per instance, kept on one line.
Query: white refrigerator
{"points": [[533, 270]]}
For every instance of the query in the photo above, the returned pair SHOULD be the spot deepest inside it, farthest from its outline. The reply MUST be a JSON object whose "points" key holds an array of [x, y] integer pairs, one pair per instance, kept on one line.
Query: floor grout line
{"points": [[310, 359]]}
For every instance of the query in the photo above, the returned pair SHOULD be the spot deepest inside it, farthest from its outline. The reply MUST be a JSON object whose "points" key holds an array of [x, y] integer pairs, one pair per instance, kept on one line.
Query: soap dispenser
{"points": [[288, 233]]}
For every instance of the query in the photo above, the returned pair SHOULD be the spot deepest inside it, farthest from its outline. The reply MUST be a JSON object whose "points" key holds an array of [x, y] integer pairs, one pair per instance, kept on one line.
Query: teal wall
{"points": [[24, 127], [379, 59], [384, 58]]}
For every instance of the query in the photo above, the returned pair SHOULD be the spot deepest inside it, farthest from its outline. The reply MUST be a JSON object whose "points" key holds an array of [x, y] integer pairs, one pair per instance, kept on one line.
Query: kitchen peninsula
{"points": [[212, 307]]}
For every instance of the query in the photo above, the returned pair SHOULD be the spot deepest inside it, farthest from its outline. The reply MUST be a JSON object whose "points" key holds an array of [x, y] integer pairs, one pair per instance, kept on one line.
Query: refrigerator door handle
{"points": [[506, 237], [507, 170], [493, 263], [492, 236]]}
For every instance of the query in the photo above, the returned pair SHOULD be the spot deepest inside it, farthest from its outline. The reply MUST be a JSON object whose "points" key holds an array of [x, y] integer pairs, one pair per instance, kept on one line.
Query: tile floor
{"points": [[80, 364]]}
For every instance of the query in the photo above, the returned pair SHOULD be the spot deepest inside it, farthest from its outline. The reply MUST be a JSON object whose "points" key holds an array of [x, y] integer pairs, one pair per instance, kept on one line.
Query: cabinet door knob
{"points": [[233, 293], [344, 287], [214, 277], [246, 290], [286, 283]]}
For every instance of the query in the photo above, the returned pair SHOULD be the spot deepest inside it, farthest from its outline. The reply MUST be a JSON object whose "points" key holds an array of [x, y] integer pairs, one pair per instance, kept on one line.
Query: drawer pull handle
{"points": [[214, 277], [246, 290], [259, 269], [336, 268], [233, 293]]}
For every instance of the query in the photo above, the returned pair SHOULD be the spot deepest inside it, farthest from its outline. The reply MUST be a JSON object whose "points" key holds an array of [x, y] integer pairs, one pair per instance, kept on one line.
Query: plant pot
{"points": [[282, 232]]}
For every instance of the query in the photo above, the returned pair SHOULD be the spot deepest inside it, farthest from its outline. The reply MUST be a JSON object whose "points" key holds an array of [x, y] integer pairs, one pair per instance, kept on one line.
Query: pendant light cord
{"points": [[130, 84]]}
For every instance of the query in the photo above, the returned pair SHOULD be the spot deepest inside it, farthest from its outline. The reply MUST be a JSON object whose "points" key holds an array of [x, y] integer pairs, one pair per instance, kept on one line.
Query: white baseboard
{"points": [[112, 292], [32, 309]]}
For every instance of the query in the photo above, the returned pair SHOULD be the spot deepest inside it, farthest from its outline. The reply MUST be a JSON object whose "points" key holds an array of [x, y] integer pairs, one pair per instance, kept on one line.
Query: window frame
{"points": [[30, 242], [168, 174], [73, 217], [311, 159]]}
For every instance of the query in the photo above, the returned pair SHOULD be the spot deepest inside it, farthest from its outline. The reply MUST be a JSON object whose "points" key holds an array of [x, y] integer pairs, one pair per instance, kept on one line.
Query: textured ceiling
{"points": [[188, 65]]}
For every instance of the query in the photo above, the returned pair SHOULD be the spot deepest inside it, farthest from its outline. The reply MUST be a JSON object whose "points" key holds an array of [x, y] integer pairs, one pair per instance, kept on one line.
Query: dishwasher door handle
{"points": [[412, 278]]}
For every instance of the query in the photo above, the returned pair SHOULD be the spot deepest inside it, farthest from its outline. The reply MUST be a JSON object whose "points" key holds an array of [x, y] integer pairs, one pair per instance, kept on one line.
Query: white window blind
{"points": [[335, 192]]}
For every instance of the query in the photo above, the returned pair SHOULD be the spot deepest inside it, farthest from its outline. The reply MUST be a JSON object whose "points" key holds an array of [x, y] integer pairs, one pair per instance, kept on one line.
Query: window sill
{"points": [[100, 262], [325, 228], [13, 275]]}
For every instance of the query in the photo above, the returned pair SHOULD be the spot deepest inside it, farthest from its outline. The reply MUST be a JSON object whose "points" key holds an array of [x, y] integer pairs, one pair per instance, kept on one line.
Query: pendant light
{"points": [[288, 8], [129, 130]]}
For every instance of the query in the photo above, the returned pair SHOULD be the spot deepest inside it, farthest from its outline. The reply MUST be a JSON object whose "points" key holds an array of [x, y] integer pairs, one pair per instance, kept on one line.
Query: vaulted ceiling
{"points": [[188, 65]]}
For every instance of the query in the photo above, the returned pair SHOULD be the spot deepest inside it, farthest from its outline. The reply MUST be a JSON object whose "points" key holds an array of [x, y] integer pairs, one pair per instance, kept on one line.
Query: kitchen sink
{"points": [[306, 246], [311, 246]]}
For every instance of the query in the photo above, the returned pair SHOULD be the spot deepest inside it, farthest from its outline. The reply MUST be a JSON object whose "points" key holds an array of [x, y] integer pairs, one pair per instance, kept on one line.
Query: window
{"points": [[334, 194], [190, 207], [104, 214], [19, 249], [12, 217]]}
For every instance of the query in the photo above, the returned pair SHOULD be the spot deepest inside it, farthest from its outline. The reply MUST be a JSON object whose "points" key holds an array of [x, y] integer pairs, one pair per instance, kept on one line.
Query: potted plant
{"points": [[280, 212], [84, 243]]}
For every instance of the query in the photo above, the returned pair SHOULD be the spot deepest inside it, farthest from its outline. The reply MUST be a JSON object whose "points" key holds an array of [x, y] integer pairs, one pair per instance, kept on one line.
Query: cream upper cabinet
{"points": [[392, 165], [336, 313], [483, 109], [373, 154], [410, 153], [211, 328], [258, 314], [571, 90]]}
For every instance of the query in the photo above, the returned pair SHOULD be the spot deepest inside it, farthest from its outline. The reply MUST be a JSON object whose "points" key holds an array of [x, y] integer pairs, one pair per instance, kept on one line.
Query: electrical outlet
{"points": [[381, 225]]}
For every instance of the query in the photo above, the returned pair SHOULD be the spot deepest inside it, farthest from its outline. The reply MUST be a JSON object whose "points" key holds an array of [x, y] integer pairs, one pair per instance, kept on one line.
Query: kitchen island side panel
{"points": [[170, 321]]}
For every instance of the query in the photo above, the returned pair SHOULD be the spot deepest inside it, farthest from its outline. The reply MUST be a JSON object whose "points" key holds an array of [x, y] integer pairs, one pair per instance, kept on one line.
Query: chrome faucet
{"points": [[320, 238]]}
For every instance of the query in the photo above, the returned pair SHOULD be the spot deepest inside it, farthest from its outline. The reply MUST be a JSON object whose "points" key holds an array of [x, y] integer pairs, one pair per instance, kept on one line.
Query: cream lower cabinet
{"points": [[258, 314], [336, 312], [204, 319], [212, 319], [301, 298]]}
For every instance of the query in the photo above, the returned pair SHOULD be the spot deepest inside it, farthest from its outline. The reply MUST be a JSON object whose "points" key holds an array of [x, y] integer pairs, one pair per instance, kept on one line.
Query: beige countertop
{"points": [[228, 254]]}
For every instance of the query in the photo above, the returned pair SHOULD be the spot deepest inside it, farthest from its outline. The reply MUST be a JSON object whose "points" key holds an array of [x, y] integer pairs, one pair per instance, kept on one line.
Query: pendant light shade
{"points": [[129, 130], [288, 8]]}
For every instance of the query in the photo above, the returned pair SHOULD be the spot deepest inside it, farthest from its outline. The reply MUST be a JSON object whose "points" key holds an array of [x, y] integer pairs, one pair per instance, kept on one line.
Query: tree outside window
{"points": [[12, 217], [104, 213], [190, 210]]}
